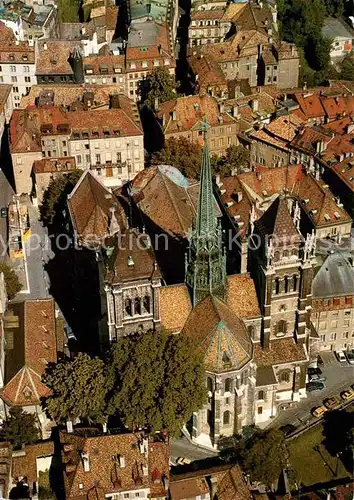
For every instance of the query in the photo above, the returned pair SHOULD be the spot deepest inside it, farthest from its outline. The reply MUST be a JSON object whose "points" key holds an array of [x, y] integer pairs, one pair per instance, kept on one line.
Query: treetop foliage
{"points": [[20, 427], [12, 283], [159, 86]]}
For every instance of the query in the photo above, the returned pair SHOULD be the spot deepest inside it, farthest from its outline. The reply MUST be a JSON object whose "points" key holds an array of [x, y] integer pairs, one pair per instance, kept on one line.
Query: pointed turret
{"points": [[206, 262]]}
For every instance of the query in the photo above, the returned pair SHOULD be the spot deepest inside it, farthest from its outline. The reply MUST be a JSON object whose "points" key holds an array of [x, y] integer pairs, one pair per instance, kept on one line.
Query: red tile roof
{"points": [[345, 171], [15, 52], [53, 165], [280, 351], [31, 325]]}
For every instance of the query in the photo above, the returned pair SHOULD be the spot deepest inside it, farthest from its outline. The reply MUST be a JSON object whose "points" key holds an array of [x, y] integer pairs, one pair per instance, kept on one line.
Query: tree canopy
{"points": [[79, 389], [20, 427], [158, 86], [161, 385], [13, 285], [182, 154], [54, 199], [236, 160], [346, 67]]}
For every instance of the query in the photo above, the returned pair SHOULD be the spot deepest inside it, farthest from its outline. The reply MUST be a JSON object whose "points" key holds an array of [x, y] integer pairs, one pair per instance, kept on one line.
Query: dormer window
{"points": [[25, 57], [11, 57], [132, 65], [156, 62], [144, 64]]}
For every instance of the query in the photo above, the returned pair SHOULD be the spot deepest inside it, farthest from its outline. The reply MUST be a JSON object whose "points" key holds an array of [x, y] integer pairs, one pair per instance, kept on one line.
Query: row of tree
{"points": [[151, 380]]}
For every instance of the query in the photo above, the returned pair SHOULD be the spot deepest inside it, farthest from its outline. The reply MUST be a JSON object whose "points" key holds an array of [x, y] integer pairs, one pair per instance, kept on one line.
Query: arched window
{"points": [[286, 284], [294, 251], [295, 282], [252, 331], [281, 327], [286, 254], [276, 256], [137, 305], [210, 384], [276, 286], [284, 376], [260, 394], [226, 418], [128, 307], [146, 303], [228, 385]]}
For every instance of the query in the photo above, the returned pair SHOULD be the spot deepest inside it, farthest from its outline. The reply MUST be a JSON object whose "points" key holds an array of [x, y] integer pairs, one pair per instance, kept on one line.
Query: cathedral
{"points": [[253, 329]]}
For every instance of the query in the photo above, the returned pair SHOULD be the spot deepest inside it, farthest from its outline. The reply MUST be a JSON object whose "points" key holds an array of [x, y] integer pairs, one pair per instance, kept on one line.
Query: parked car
{"points": [[319, 378], [347, 395], [314, 371], [332, 403], [341, 356], [319, 411], [315, 386], [350, 357], [3, 212]]}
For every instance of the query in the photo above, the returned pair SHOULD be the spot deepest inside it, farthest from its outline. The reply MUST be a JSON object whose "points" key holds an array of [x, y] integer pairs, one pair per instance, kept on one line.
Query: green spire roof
{"points": [[206, 216], [206, 262]]}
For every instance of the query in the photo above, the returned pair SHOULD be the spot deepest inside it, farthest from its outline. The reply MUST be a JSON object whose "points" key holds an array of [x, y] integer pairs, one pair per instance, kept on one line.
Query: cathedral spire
{"points": [[206, 216], [206, 262]]}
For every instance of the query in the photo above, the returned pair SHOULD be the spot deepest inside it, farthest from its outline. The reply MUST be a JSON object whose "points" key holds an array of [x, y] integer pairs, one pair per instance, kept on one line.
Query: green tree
{"points": [[20, 428], [69, 11], [79, 388], [236, 160], [347, 67], [334, 8], [13, 285], [264, 456], [158, 86], [54, 198], [182, 154], [159, 381]]}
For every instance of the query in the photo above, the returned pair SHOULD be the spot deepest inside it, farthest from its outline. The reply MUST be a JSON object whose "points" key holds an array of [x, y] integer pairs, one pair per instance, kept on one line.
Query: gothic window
{"points": [[295, 282], [210, 384], [276, 286], [210, 417], [286, 254], [146, 303], [284, 376], [128, 307], [137, 305], [228, 385], [280, 327], [294, 251], [252, 331], [260, 394], [276, 256], [226, 417], [286, 284]]}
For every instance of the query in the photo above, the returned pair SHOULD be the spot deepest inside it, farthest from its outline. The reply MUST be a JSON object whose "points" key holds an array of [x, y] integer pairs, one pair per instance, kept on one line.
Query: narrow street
{"points": [[6, 194]]}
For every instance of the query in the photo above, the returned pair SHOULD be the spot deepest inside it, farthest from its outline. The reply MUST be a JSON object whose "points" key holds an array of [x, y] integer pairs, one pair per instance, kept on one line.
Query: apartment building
{"points": [[181, 117], [333, 302], [47, 169], [208, 26], [108, 141], [17, 67], [105, 70], [59, 62]]}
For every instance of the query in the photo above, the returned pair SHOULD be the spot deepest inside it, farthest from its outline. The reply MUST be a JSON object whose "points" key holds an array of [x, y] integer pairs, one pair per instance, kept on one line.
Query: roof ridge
{"points": [[172, 199]]}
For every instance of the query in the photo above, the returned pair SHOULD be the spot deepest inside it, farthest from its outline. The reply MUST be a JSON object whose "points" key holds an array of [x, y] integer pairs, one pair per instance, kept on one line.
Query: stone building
{"points": [[333, 302]]}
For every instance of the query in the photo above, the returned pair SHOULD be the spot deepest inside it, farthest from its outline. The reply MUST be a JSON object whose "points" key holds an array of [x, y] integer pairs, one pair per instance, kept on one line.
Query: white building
{"points": [[17, 67], [342, 38]]}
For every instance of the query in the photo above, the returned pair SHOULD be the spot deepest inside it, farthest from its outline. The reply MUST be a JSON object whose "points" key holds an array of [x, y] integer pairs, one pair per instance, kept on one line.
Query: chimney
{"points": [[235, 111], [156, 103], [304, 87], [239, 196], [221, 108], [174, 115], [292, 50], [254, 105], [69, 426], [17, 42], [121, 461], [259, 176], [217, 180], [45, 46], [213, 486]]}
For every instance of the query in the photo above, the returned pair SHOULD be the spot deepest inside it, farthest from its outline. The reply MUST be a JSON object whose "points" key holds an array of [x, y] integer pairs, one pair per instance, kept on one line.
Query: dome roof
{"points": [[222, 336]]}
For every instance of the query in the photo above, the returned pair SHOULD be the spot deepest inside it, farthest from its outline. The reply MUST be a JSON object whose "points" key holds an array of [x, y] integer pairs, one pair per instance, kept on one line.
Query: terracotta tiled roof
{"points": [[232, 11], [54, 60], [5, 91], [277, 221], [14, 52], [26, 465], [31, 327], [175, 306], [287, 51], [241, 296], [337, 105], [52, 165], [6, 34], [221, 336], [133, 259], [280, 351], [208, 71], [91, 205], [188, 488], [308, 138], [67, 94], [254, 17], [284, 127], [345, 171], [197, 15], [103, 65], [110, 119], [310, 104], [342, 126], [141, 470], [264, 136], [244, 43], [233, 486], [190, 111]]}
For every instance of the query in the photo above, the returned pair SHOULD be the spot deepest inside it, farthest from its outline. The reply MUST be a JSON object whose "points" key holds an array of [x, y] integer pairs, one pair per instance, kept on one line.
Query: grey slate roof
{"points": [[335, 277]]}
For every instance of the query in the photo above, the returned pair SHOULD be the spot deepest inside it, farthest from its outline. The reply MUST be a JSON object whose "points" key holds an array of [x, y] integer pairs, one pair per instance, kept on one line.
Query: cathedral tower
{"points": [[206, 262]]}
